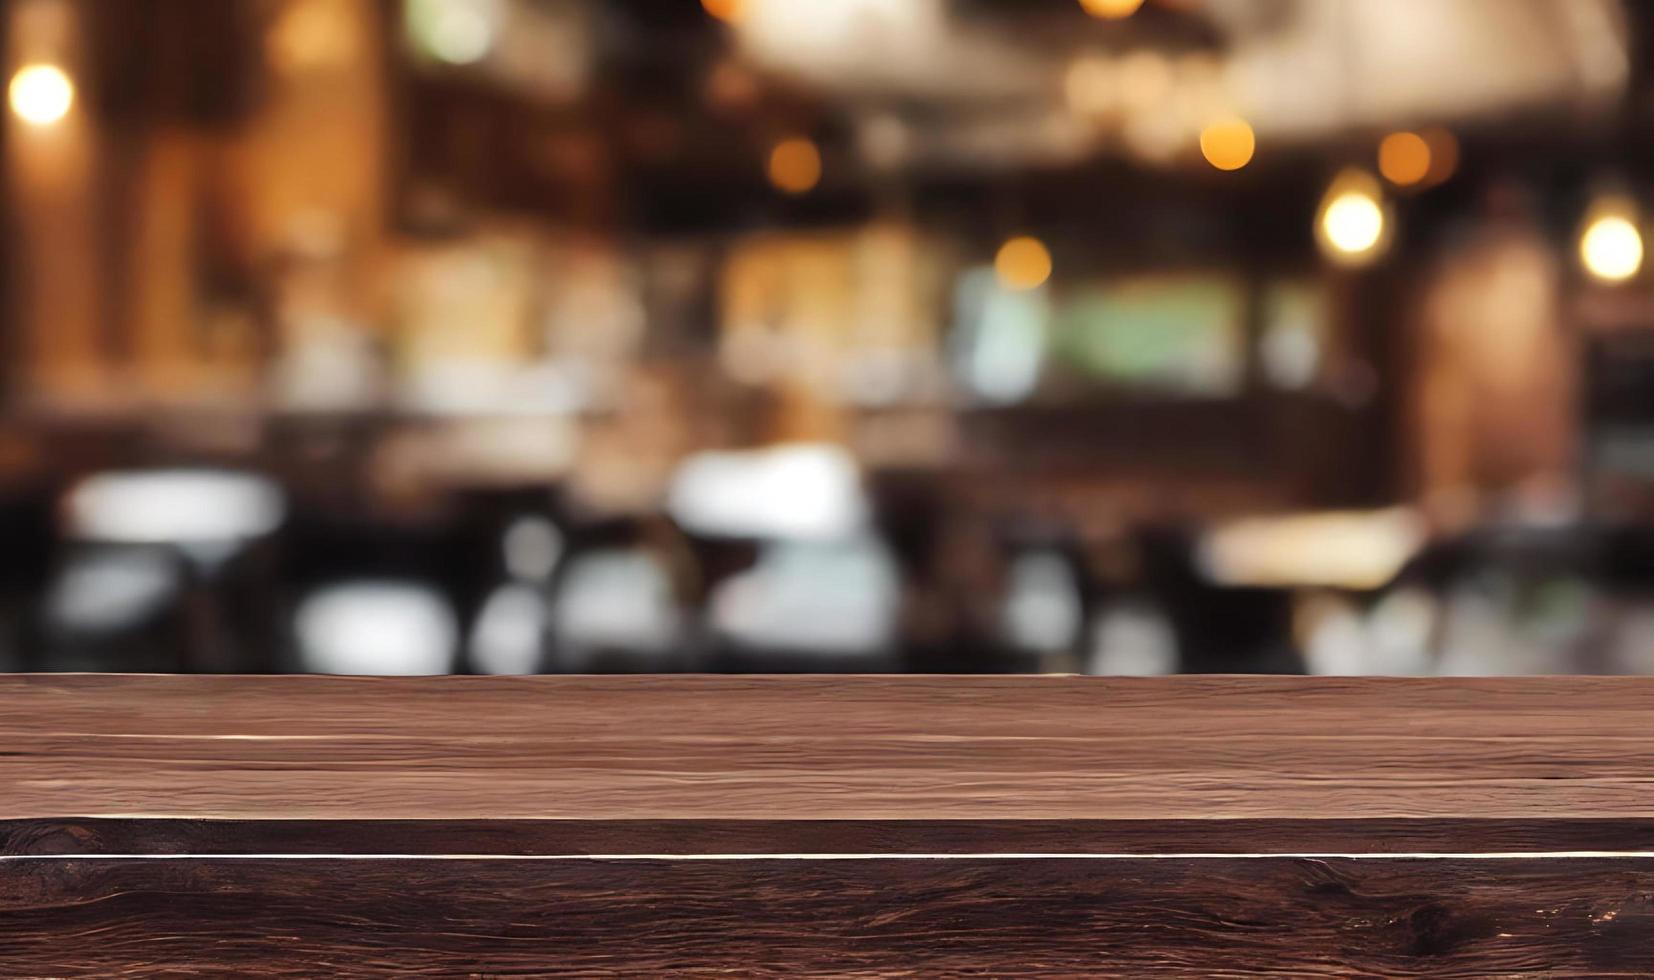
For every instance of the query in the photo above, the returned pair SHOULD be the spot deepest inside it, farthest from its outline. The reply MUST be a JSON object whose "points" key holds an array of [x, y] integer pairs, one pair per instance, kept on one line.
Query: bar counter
{"points": [[820, 826]]}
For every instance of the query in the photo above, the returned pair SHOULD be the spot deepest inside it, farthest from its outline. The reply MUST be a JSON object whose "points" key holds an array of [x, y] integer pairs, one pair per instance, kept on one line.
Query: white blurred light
{"points": [[1291, 349], [174, 507], [798, 491], [834, 598], [1335, 644], [1611, 248], [509, 632], [41, 94], [532, 546], [1042, 605], [1000, 340], [1132, 640], [376, 628], [1399, 631], [1291, 355], [619, 599], [459, 32], [842, 38], [110, 590]]}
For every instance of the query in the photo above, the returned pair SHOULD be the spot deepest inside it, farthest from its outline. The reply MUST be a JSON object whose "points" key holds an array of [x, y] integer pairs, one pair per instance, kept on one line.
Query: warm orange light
{"points": [[1228, 144], [725, 10], [1023, 262], [1404, 158], [1111, 9], [313, 35], [795, 165], [1444, 154]]}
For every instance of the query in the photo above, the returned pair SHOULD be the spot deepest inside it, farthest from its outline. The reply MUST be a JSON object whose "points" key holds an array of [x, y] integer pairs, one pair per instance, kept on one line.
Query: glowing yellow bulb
{"points": [[725, 10], [41, 94], [795, 165], [1111, 9], [1023, 262], [1404, 158], [1611, 248], [1228, 144], [1353, 222], [1353, 226]]}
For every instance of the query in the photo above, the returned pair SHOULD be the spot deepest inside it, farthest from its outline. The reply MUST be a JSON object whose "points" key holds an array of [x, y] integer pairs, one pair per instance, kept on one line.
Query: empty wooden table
{"points": [[858, 826]]}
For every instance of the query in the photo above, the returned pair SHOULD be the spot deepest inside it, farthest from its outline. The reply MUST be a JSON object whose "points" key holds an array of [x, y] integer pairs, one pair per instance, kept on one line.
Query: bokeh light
{"points": [[795, 165], [1023, 262], [1352, 227], [1228, 144], [1090, 85], [1404, 158], [1611, 247], [1444, 154], [41, 94], [459, 32], [1111, 9], [728, 11], [1353, 222]]}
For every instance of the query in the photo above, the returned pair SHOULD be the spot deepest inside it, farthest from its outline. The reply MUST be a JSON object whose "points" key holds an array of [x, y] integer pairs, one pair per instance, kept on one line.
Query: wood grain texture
{"points": [[295, 826], [1064, 917], [842, 748]]}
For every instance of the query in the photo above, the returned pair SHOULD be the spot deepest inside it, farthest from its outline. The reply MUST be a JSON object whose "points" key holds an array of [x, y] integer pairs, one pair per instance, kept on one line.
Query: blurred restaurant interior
{"points": [[1099, 336]]}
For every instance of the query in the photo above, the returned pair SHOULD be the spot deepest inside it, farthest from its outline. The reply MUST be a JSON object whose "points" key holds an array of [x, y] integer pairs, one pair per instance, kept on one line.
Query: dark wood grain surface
{"points": [[881, 917], [889, 826]]}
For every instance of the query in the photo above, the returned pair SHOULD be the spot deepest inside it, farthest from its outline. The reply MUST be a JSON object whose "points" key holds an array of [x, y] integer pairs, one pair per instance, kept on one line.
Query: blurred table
{"points": [[804, 826]]}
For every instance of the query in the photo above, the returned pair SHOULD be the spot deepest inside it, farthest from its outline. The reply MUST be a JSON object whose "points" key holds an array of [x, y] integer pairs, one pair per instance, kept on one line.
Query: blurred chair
{"points": [[29, 542], [816, 606], [803, 581], [620, 599], [510, 631], [408, 568], [1219, 629], [165, 570]]}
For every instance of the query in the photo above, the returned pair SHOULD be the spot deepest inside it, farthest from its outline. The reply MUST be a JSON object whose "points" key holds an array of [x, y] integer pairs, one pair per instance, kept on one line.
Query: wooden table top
{"points": [[680, 764], [844, 826]]}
